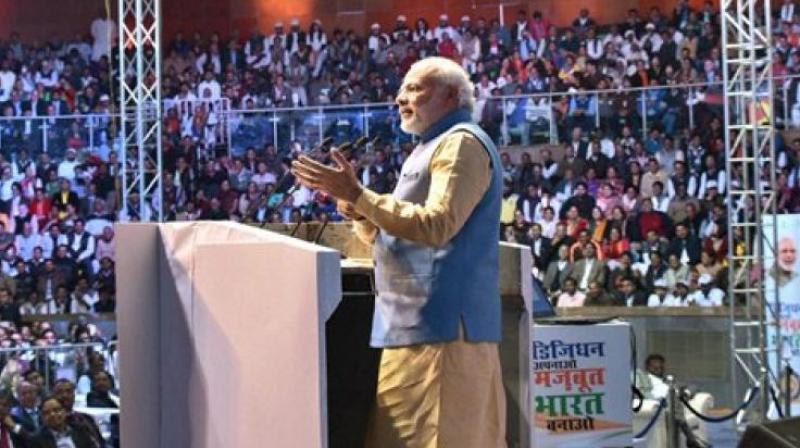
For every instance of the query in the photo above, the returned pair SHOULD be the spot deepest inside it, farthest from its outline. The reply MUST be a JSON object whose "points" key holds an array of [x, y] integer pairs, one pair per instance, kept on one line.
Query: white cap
{"points": [[105, 97], [278, 24], [401, 18], [465, 18], [660, 283], [629, 33], [443, 17], [711, 184], [650, 26], [376, 26], [705, 279], [318, 22], [72, 150], [295, 22]]}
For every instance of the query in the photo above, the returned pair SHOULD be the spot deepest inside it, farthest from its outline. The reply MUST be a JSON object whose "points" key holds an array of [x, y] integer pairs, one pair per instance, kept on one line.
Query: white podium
{"points": [[222, 336]]}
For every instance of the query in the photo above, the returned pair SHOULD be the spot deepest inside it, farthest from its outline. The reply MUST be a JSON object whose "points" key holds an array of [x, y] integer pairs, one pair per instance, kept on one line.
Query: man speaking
{"points": [[435, 244]]}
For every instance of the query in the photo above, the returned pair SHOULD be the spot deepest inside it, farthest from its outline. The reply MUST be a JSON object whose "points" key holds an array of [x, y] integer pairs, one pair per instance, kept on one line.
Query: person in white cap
{"points": [[296, 35], [401, 29], [104, 107], [316, 38], [277, 38], [373, 41], [66, 169], [708, 294], [660, 296], [466, 25], [630, 45], [651, 41], [680, 295], [711, 174], [445, 27]]}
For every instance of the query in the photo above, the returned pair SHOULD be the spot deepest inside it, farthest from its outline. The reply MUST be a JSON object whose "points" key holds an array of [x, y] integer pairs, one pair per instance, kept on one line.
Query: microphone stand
{"points": [[325, 222], [296, 227]]}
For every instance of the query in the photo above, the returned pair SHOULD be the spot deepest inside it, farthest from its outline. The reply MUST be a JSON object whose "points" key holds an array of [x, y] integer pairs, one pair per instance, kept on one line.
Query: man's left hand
{"points": [[339, 181]]}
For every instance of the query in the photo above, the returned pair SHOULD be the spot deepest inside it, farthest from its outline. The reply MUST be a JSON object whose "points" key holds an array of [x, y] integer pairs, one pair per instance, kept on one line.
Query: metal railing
{"points": [[546, 117], [205, 120], [53, 362]]}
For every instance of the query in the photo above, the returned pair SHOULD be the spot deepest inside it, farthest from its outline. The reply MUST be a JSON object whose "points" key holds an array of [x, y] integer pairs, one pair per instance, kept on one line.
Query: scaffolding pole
{"points": [[140, 109], [749, 144]]}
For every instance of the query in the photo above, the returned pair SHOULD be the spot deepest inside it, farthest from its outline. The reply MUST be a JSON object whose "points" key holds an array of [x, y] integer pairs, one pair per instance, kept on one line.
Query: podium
{"points": [[235, 336]]}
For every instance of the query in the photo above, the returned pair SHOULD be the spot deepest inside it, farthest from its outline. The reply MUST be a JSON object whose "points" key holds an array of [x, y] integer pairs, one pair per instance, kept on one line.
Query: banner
{"points": [[580, 383], [783, 275]]}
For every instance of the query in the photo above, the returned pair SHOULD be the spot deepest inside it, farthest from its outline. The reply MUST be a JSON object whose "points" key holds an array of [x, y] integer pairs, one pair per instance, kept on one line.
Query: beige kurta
{"points": [[437, 395]]}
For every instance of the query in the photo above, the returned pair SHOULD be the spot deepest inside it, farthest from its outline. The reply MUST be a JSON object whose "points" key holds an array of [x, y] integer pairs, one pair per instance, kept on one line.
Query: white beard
{"points": [[412, 125]]}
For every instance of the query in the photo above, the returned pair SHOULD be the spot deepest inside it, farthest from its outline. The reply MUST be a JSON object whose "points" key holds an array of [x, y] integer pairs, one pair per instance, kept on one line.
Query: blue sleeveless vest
{"points": [[424, 293]]}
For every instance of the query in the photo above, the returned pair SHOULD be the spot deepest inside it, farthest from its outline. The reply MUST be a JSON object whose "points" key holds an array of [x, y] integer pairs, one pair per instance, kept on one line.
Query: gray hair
{"points": [[448, 73]]}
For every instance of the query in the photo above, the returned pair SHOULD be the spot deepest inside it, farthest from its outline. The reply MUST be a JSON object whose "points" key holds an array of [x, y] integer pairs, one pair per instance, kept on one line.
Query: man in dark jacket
{"points": [[64, 391], [685, 245], [630, 295], [582, 200], [56, 431]]}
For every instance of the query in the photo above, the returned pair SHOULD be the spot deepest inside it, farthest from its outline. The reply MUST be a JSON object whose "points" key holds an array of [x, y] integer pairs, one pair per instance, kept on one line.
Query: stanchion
{"points": [[787, 394], [673, 439]]}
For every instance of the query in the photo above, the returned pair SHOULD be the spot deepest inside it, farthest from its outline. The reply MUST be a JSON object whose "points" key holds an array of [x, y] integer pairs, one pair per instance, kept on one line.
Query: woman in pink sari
{"points": [[606, 199]]}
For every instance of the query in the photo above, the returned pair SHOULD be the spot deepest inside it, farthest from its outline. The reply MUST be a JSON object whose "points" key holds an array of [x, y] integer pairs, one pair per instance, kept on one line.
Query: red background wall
{"points": [[43, 19]]}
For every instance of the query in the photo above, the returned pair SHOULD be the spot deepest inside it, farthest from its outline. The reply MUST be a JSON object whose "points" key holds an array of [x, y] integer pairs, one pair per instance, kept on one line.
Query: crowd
{"points": [[630, 199]]}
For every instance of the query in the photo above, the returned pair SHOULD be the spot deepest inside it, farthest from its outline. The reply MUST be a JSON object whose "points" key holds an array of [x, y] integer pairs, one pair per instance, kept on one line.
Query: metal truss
{"points": [[749, 144], [140, 108]]}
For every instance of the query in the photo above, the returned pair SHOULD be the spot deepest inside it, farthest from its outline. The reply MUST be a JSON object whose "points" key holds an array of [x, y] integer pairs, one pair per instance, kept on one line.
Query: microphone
{"points": [[346, 148], [343, 148], [361, 141], [323, 144]]}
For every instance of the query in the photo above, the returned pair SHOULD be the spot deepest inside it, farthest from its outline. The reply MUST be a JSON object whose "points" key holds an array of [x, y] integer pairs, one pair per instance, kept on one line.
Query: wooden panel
{"points": [[43, 19], [350, 6]]}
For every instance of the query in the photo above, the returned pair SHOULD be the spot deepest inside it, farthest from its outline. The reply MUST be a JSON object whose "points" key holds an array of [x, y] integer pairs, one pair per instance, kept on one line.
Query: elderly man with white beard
{"points": [[435, 245], [783, 271]]}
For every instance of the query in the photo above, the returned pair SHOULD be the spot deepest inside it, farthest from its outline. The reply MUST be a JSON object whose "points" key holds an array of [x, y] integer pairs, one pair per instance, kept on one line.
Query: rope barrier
{"points": [[776, 402], [640, 437], [639, 396], [751, 395]]}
